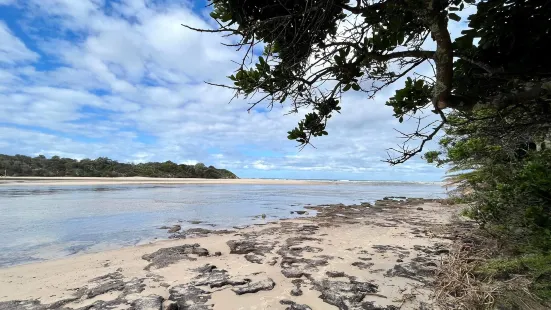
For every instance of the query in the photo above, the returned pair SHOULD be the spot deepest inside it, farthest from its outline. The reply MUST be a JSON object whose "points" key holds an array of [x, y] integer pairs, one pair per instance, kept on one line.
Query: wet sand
{"points": [[10, 181], [346, 257]]}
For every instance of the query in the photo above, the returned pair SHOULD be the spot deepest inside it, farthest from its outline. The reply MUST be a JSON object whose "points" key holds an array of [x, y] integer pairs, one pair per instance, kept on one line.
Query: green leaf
{"points": [[356, 87], [347, 87], [454, 16], [453, 9]]}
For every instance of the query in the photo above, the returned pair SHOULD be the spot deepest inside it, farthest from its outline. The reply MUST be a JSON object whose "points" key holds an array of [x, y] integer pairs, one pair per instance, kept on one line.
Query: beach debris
{"points": [[167, 256]]}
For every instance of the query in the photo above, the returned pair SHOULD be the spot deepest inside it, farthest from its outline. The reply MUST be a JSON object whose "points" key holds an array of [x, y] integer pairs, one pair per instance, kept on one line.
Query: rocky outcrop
{"points": [[167, 256]]}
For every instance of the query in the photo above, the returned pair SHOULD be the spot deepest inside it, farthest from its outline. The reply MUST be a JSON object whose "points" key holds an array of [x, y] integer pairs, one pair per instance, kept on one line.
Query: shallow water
{"points": [[46, 222]]}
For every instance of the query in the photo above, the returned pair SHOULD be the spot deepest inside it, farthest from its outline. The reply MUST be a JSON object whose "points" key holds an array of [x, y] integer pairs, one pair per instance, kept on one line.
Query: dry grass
{"points": [[457, 287], [459, 284]]}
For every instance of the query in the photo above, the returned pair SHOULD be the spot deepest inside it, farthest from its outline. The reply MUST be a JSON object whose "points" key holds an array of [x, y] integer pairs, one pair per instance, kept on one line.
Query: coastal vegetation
{"points": [[21, 165], [485, 94]]}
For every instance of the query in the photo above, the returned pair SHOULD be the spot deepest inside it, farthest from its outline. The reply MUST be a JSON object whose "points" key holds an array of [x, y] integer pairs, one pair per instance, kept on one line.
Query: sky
{"points": [[123, 79]]}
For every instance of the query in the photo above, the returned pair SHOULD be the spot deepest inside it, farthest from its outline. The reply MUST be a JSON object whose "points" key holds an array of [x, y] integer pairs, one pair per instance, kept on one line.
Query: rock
{"points": [[292, 212], [370, 305], [293, 273], [296, 292], [174, 229], [253, 287], [399, 260], [187, 296], [247, 246], [335, 274], [219, 278], [217, 253], [22, 305], [151, 302], [115, 284], [344, 295], [164, 257], [206, 268], [254, 258], [164, 284], [293, 305], [362, 265], [195, 222], [419, 208], [164, 227], [301, 212]]}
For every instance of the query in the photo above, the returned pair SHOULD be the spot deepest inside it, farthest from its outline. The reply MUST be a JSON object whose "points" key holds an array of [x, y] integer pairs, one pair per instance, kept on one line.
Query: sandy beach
{"points": [[380, 256], [9, 181]]}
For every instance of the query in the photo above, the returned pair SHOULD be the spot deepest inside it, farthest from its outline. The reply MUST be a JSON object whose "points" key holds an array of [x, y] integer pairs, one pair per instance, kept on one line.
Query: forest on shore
{"points": [[41, 166]]}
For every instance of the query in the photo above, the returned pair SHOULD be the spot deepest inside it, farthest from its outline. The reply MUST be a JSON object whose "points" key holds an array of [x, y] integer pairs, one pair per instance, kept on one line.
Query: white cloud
{"points": [[12, 50], [130, 87]]}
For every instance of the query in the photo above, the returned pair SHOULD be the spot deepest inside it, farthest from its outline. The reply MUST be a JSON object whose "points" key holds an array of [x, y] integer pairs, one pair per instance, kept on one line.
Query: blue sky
{"points": [[123, 79]]}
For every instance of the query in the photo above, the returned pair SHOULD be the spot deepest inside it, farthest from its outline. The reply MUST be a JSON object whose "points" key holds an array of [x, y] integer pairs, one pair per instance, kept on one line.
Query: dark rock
{"points": [[253, 287], [134, 286], [248, 246], [344, 295], [218, 253], [293, 273], [164, 257], [206, 268], [365, 258], [151, 302], [22, 305], [174, 229], [105, 287], [413, 271], [370, 305], [195, 222], [335, 274], [297, 291], [419, 208], [254, 258], [301, 212], [219, 278], [189, 297], [362, 265], [293, 305], [399, 260]]}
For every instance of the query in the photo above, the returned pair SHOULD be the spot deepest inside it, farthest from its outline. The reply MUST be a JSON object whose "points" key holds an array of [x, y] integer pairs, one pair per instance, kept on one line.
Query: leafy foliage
{"points": [[20, 165], [314, 51]]}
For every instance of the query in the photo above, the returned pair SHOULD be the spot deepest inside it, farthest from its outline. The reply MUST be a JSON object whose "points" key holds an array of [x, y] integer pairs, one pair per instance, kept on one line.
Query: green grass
{"points": [[536, 267]]}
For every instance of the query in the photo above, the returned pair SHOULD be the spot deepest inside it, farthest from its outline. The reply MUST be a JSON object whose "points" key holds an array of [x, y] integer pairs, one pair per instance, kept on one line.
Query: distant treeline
{"points": [[20, 165]]}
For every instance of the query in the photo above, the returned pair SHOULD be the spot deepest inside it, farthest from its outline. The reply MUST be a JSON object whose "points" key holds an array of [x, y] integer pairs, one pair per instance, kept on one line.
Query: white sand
{"points": [[54, 280]]}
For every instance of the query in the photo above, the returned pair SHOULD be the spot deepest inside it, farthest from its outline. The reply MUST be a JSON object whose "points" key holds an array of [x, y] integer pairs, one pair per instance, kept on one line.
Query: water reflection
{"points": [[46, 222]]}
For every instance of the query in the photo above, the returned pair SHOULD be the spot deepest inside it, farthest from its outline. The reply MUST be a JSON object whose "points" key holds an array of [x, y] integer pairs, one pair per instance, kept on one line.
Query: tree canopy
{"points": [[314, 51], [21, 165]]}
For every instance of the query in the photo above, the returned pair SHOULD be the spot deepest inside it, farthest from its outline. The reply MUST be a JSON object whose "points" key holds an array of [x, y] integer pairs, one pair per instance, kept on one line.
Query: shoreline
{"points": [[73, 181], [353, 255]]}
